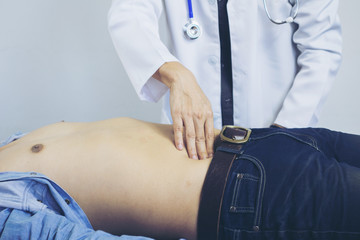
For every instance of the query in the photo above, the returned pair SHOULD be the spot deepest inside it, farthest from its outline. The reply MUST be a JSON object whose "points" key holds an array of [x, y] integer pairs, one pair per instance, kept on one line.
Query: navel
{"points": [[37, 148]]}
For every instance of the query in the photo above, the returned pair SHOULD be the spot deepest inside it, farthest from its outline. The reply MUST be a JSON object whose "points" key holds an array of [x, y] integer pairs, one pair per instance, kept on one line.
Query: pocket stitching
{"points": [[239, 209], [311, 141], [261, 184]]}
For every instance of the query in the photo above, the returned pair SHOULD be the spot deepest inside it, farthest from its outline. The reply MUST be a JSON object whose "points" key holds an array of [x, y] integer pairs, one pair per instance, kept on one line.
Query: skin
{"points": [[124, 173], [190, 110]]}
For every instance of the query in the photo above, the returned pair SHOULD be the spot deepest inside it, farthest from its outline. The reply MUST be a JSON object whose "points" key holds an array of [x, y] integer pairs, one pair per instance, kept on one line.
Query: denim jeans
{"points": [[294, 184]]}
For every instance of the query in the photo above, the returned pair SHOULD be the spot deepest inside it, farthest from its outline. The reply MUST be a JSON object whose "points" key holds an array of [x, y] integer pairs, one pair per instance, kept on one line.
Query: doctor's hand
{"points": [[190, 110]]}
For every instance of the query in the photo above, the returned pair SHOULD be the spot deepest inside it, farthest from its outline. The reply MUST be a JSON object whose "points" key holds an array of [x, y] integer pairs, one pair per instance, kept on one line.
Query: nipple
{"points": [[37, 148]]}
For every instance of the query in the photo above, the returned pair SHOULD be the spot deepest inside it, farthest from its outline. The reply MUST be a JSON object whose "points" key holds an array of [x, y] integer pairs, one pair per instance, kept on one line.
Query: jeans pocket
{"points": [[245, 193]]}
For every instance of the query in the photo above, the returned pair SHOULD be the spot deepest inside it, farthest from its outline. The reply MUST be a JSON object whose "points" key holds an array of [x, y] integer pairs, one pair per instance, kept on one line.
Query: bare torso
{"points": [[126, 174]]}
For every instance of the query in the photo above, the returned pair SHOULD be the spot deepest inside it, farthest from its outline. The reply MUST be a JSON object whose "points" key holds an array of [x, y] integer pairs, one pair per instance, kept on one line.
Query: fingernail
{"points": [[180, 146], [194, 157]]}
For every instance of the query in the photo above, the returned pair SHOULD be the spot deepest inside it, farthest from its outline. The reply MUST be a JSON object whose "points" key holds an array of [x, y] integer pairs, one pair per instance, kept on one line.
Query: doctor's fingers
{"points": [[178, 132], [178, 126], [190, 137], [209, 135], [200, 139]]}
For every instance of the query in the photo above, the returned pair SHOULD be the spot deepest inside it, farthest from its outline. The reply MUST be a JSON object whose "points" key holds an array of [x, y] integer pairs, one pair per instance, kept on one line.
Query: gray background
{"points": [[57, 63]]}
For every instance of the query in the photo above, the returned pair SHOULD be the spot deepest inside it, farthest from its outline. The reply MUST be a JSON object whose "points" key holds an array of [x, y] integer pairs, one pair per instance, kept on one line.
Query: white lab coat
{"points": [[281, 73]]}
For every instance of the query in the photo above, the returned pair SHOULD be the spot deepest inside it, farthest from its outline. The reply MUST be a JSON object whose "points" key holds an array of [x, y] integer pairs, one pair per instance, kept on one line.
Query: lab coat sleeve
{"points": [[134, 28], [318, 39]]}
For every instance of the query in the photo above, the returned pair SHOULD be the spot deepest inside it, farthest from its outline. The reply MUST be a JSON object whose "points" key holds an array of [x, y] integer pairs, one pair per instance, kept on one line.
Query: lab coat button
{"points": [[213, 60]]}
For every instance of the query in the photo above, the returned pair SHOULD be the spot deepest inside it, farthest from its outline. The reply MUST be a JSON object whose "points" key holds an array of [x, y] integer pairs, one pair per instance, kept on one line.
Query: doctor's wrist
{"points": [[170, 73], [164, 74]]}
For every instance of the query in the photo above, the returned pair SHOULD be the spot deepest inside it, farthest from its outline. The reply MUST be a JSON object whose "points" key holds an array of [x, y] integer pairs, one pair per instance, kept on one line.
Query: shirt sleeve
{"points": [[21, 225], [134, 28], [318, 39]]}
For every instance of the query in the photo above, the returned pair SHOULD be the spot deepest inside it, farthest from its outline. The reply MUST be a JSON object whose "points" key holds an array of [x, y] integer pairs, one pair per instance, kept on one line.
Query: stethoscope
{"points": [[192, 29]]}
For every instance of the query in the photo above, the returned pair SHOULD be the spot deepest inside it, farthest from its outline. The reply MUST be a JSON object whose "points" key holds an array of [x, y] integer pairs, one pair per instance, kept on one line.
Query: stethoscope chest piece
{"points": [[192, 29]]}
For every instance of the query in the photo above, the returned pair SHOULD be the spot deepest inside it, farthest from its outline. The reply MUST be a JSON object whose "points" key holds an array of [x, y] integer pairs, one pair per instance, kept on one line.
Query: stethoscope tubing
{"points": [[191, 13], [193, 31], [290, 19]]}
